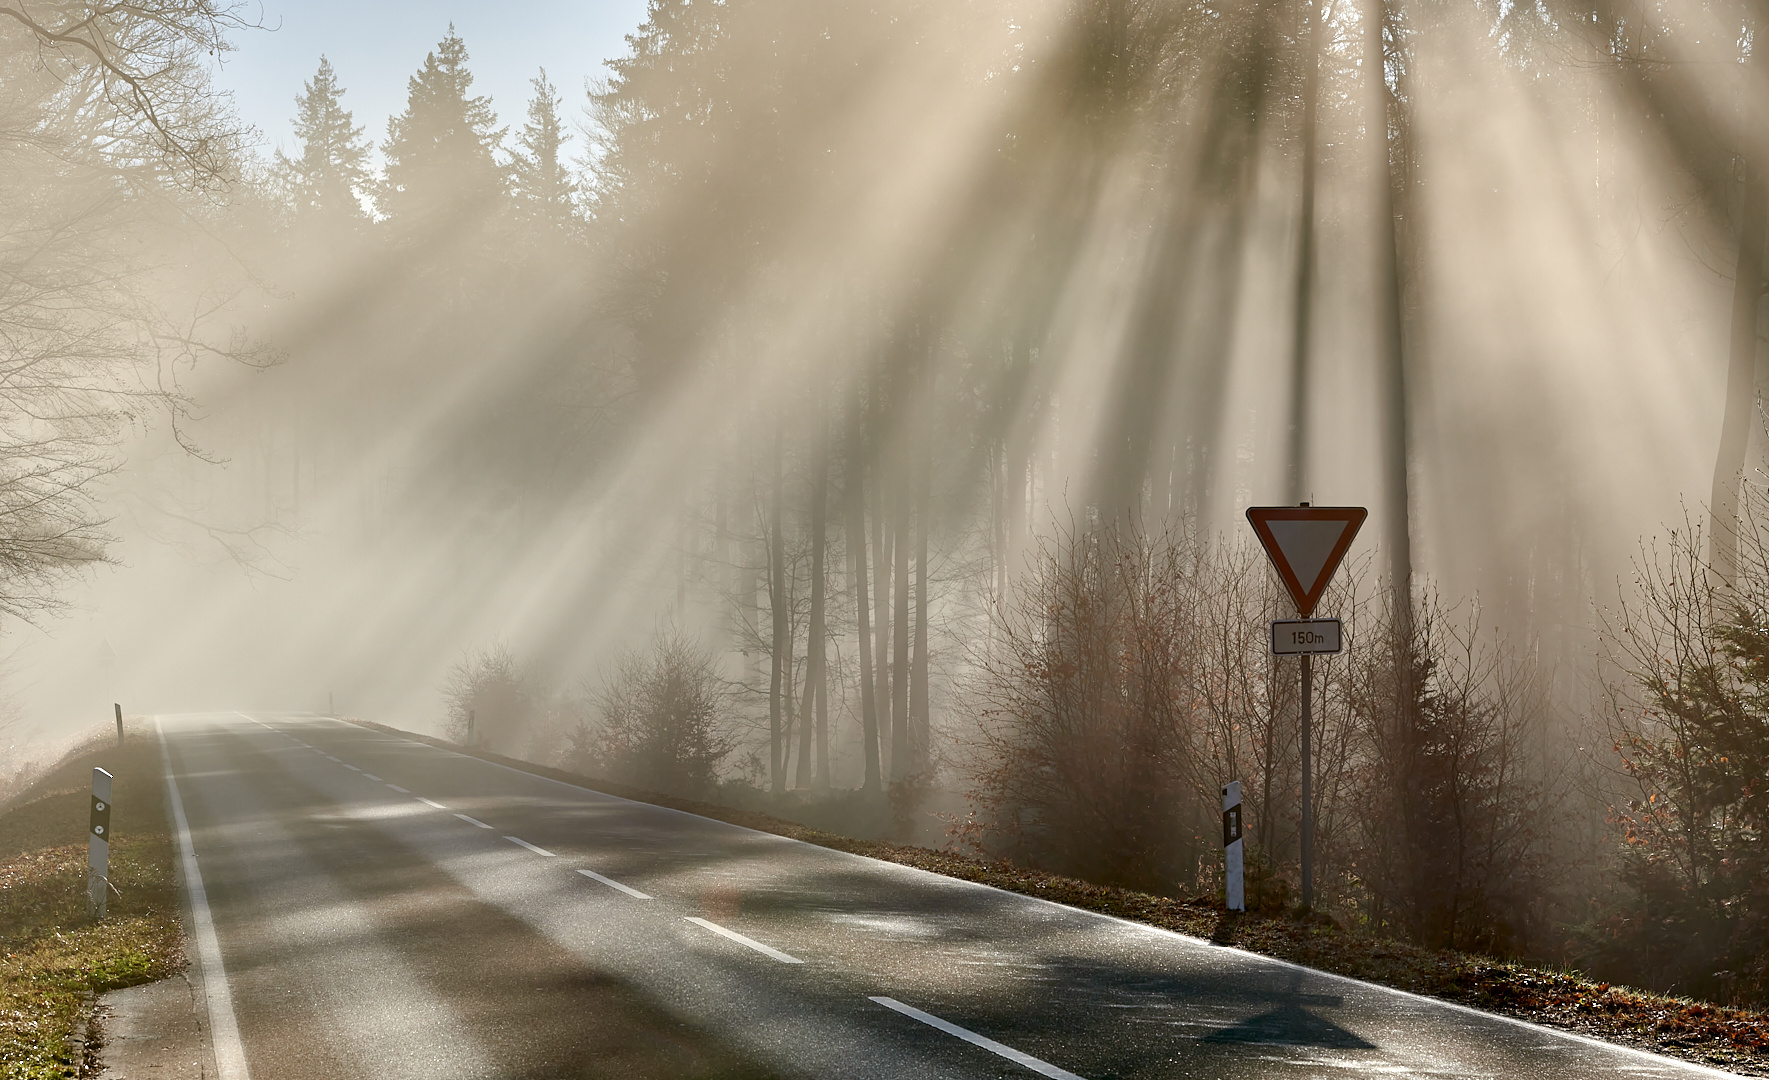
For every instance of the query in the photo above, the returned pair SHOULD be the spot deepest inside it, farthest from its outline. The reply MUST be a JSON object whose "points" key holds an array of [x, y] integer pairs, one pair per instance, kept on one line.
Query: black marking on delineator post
{"points": [[98, 844], [1232, 847], [118, 706]]}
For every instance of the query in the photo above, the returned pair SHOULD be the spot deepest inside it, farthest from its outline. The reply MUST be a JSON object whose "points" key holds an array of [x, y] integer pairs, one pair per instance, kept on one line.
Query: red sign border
{"points": [[1257, 516]]}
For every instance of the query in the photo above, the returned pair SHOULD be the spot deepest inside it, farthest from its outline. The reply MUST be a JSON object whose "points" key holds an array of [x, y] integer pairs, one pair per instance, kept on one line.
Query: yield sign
{"points": [[1305, 544]]}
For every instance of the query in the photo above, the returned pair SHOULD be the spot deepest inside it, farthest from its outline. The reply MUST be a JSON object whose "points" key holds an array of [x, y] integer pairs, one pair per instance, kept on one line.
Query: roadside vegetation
{"points": [[53, 959]]}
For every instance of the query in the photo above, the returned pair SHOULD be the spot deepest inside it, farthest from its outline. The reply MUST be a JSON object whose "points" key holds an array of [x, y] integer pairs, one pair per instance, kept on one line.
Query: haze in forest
{"points": [[847, 392]]}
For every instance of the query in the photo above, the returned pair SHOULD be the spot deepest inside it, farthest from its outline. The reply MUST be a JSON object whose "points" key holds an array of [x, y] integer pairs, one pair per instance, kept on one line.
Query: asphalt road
{"points": [[387, 909]]}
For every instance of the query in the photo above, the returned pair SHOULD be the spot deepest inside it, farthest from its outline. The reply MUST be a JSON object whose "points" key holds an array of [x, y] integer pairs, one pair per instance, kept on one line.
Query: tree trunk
{"points": [[1741, 377], [856, 499], [1304, 301], [820, 781], [814, 642], [881, 585], [901, 764], [777, 602], [1390, 338], [722, 554], [920, 728]]}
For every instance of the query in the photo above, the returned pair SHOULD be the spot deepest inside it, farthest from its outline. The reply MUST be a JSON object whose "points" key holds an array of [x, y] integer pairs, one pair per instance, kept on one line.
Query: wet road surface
{"points": [[384, 908]]}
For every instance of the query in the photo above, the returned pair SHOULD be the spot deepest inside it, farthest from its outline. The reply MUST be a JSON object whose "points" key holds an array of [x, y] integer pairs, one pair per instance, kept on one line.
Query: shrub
{"points": [[659, 719], [1084, 752], [1453, 807], [1691, 730], [492, 691]]}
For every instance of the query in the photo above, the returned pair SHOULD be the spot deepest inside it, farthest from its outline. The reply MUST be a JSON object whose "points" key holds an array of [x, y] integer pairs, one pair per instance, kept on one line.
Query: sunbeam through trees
{"points": [[853, 405]]}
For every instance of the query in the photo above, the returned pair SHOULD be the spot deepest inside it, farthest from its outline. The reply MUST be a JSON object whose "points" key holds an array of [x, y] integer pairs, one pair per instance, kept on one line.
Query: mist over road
{"points": [[389, 909]]}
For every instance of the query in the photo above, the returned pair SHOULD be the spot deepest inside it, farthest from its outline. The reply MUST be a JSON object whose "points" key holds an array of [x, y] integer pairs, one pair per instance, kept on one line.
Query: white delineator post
{"points": [[98, 845], [1232, 845]]}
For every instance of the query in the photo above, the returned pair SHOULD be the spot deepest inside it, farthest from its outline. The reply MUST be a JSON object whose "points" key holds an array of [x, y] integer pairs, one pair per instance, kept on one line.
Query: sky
{"points": [[376, 45]]}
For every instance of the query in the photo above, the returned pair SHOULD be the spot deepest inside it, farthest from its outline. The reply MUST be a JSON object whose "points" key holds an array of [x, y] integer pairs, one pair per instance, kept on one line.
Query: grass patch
{"points": [[1728, 1038], [52, 957]]}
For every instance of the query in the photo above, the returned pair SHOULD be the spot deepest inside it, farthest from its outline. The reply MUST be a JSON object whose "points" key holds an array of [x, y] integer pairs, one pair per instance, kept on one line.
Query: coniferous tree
{"points": [[442, 165], [330, 172], [544, 186]]}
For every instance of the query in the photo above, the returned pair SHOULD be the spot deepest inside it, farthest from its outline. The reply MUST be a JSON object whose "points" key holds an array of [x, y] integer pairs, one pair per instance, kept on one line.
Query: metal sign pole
{"points": [[1307, 783], [1305, 544]]}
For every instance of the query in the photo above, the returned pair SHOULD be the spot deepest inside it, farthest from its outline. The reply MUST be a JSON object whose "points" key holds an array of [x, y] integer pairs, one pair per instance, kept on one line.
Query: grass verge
{"points": [[53, 958], [1728, 1038]]}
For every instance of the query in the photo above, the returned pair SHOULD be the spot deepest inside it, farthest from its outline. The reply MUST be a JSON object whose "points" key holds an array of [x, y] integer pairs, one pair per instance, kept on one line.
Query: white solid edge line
{"points": [[1042, 1068], [224, 1029], [427, 802], [399, 789], [537, 850], [613, 884], [473, 821], [1456, 1006], [751, 942]]}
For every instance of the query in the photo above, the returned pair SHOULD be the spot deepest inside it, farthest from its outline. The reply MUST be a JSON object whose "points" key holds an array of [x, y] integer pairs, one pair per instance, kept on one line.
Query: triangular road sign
{"points": [[1305, 544]]}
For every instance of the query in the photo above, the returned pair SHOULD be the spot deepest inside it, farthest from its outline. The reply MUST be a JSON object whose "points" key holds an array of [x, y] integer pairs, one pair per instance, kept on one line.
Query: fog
{"points": [[977, 273], [416, 473]]}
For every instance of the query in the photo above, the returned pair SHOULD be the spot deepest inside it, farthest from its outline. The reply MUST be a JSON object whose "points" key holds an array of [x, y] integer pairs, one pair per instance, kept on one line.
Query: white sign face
{"points": [[1293, 637], [1307, 546]]}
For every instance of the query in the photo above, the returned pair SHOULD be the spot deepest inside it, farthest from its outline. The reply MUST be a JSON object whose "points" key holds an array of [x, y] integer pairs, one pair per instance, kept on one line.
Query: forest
{"points": [[853, 405]]}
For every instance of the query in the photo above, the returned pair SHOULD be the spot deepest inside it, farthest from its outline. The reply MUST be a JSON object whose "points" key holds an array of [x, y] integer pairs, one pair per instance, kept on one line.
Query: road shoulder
{"points": [[54, 960], [156, 1030]]}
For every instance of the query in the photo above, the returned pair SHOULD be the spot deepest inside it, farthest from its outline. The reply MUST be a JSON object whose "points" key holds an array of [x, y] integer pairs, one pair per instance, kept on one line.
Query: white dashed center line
{"points": [[1042, 1068], [473, 821], [371, 776], [427, 802], [399, 789], [517, 840], [612, 884], [352, 768], [331, 758], [741, 940]]}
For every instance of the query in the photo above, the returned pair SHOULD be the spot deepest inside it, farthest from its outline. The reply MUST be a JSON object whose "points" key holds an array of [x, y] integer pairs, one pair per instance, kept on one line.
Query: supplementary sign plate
{"points": [[1306, 544], [1293, 637]]}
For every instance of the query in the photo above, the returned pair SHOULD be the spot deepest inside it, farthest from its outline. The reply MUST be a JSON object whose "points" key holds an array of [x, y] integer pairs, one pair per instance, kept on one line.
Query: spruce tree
{"points": [[442, 151], [544, 186], [329, 174]]}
